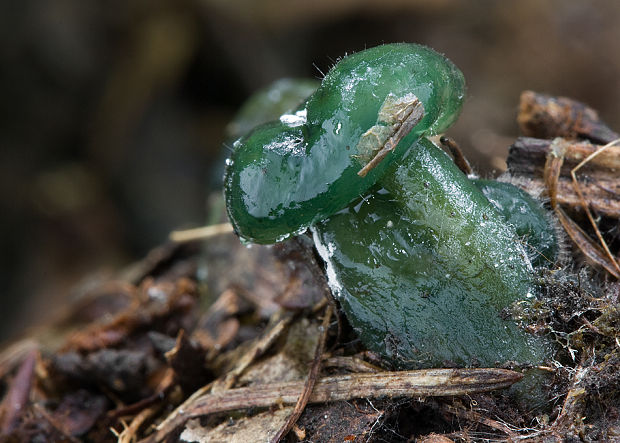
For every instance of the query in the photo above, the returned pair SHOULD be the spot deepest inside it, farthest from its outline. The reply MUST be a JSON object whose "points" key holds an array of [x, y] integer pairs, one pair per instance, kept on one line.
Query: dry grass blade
{"points": [[201, 233], [130, 433], [14, 354], [150, 403], [527, 160]]}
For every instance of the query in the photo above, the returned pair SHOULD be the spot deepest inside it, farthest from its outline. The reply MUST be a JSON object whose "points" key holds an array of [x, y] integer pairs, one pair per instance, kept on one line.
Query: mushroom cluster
{"points": [[424, 261]]}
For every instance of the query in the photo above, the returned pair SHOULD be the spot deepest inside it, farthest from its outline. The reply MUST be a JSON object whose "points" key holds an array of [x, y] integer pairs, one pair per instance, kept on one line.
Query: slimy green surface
{"points": [[530, 220], [424, 266], [425, 262], [286, 175], [269, 103]]}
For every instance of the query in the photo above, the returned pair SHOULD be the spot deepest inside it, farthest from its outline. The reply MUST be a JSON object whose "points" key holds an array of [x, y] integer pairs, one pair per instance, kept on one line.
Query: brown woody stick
{"points": [[544, 116], [420, 383], [600, 183]]}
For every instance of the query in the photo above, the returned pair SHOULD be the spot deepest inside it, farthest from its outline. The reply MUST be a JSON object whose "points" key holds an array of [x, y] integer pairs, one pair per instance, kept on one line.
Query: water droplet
{"points": [[294, 120]]}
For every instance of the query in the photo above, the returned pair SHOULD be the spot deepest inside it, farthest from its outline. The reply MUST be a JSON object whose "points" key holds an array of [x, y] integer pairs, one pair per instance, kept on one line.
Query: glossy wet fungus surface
{"points": [[424, 266], [302, 168], [424, 261], [532, 222], [269, 103]]}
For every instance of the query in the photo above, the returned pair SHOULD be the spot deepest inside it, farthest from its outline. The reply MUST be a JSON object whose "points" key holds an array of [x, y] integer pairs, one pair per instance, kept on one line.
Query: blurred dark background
{"points": [[112, 113]]}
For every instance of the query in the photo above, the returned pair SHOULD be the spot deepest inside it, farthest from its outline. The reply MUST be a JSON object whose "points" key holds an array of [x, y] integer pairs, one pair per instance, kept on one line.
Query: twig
{"points": [[545, 116], [527, 159], [167, 425], [310, 381], [459, 158], [420, 383]]}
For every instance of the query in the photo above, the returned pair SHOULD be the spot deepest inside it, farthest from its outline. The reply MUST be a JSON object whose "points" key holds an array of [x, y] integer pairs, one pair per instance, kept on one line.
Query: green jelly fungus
{"points": [[530, 220], [286, 175], [426, 268], [429, 263], [269, 103]]}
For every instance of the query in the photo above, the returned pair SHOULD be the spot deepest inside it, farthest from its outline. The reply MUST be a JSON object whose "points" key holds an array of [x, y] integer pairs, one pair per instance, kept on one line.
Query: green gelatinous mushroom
{"points": [[288, 174], [425, 267], [266, 104], [269, 103], [530, 220]]}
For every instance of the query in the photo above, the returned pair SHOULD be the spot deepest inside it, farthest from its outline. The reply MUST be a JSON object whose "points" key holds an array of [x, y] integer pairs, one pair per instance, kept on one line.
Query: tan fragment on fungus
{"points": [[396, 118]]}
